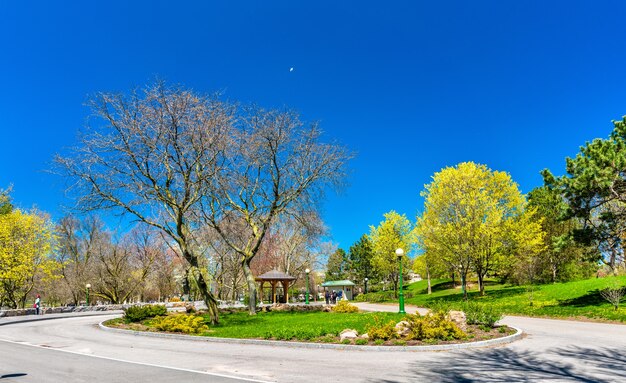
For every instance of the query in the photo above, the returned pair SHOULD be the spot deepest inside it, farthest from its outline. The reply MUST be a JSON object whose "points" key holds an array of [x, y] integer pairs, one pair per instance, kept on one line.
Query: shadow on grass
{"points": [[593, 298], [575, 364]]}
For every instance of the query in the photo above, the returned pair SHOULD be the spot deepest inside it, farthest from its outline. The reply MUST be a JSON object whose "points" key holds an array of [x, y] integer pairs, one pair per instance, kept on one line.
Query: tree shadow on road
{"points": [[7, 376], [573, 364]]}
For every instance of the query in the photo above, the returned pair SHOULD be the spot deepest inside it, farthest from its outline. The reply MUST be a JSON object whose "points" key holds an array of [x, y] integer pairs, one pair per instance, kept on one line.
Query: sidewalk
{"points": [[366, 306]]}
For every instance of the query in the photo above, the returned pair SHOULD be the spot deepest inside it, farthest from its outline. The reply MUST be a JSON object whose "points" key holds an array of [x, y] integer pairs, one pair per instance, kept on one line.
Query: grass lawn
{"points": [[298, 325], [565, 300]]}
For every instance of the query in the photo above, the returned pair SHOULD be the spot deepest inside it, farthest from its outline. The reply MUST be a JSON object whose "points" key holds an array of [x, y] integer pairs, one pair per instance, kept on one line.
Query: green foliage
{"points": [[346, 341], [361, 254], [435, 326], [481, 314], [595, 193], [361, 341], [381, 296], [185, 323], [139, 313], [381, 329], [337, 266], [344, 306]]}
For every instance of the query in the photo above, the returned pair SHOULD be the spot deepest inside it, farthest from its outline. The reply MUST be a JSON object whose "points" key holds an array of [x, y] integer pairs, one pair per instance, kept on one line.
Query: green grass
{"points": [[562, 300], [292, 325]]}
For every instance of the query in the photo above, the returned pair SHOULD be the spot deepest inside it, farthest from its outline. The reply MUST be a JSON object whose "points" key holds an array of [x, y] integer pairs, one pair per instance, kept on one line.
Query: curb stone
{"points": [[440, 347]]}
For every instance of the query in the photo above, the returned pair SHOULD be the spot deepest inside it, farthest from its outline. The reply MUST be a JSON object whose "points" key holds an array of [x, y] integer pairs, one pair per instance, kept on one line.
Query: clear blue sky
{"points": [[410, 86]]}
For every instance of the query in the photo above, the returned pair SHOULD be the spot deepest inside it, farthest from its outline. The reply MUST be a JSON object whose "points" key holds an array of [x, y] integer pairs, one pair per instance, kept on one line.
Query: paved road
{"points": [[553, 351]]}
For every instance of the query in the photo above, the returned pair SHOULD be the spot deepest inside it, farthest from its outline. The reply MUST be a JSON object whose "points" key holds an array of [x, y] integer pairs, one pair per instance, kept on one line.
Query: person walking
{"points": [[327, 296], [37, 304]]}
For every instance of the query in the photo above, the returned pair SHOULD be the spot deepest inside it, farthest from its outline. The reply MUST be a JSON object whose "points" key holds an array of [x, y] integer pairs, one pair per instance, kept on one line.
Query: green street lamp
{"points": [[307, 271], [87, 287], [399, 254], [365, 285]]}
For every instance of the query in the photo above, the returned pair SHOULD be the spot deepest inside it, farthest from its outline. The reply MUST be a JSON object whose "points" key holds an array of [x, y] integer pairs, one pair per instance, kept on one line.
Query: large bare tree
{"points": [[275, 165], [154, 155]]}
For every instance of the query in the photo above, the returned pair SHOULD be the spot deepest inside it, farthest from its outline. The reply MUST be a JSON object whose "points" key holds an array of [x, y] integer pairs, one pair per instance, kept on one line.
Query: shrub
{"points": [[174, 299], [382, 331], [360, 341], [479, 314], [188, 324], [139, 313], [435, 326], [346, 341], [345, 307]]}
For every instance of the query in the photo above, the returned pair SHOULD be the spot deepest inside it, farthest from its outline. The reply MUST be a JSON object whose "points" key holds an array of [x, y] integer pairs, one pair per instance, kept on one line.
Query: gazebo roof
{"points": [[275, 275], [337, 283]]}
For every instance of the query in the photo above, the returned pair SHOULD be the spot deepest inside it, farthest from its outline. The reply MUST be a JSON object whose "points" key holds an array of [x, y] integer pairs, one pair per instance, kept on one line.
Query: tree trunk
{"points": [[430, 291], [251, 286], [481, 284], [464, 284], [209, 299]]}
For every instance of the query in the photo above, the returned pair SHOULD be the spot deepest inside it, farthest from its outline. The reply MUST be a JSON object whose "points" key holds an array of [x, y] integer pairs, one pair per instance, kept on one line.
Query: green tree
{"points": [[5, 201], [393, 232], [562, 258], [337, 266], [595, 190], [361, 254]]}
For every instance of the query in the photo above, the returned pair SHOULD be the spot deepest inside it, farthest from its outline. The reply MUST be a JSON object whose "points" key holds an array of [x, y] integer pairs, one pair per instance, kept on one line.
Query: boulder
{"points": [[364, 336], [348, 334], [458, 317], [403, 328]]}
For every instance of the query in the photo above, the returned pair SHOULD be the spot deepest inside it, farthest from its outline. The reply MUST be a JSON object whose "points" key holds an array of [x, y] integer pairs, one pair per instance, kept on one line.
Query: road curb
{"points": [[441, 347], [60, 316]]}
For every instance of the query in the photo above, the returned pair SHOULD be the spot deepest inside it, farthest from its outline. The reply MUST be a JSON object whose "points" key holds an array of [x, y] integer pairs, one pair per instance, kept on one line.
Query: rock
{"points": [[327, 308], [364, 336], [458, 317], [348, 334], [403, 328]]}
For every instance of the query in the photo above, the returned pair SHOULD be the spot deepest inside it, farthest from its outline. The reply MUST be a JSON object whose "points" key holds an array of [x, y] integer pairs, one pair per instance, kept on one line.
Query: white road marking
{"points": [[137, 363]]}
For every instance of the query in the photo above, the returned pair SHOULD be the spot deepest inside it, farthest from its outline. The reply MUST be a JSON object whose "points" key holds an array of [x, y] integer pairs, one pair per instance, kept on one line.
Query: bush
{"points": [[174, 299], [139, 313], [382, 331], [431, 327], [188, 324], [479, 314], [360, 341], [345, 307]]}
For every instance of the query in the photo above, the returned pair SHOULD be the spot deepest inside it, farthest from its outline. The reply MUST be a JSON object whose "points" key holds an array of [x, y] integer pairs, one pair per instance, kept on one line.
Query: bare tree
{"points": [[122, 267], [614, 294], [77, 241], [276, 165], [155, 156]]}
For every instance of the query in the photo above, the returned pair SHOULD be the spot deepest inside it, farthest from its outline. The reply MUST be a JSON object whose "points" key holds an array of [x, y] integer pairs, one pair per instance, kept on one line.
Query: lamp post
{"points": [[307, 271], [365, 285], [399, 254], [87, 287]]}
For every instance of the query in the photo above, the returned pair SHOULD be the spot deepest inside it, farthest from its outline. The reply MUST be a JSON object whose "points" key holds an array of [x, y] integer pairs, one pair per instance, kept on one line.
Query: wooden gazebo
{"points": [[274, 277]]}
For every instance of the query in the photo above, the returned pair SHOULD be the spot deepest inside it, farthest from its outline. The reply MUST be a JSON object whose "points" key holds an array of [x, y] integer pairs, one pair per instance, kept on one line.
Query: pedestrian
{"points": [[339, 294], [327, 296], [37, 304], [333, 297]]}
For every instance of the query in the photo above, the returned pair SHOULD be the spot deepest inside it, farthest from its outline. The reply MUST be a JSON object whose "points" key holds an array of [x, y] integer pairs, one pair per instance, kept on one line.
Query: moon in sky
{"points": [[291, 69]]}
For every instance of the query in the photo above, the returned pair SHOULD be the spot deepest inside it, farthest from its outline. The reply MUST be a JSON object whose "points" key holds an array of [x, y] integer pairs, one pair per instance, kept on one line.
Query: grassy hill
{"points": [[579, 299]]}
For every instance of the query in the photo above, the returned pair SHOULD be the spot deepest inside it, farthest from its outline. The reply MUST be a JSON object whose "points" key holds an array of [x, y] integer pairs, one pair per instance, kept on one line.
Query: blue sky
{"points": [[412, 87]]}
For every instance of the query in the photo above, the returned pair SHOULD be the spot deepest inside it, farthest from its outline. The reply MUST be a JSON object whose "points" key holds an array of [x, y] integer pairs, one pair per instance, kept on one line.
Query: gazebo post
{"points": [[286, 289], [261, 297], [273, 292]]}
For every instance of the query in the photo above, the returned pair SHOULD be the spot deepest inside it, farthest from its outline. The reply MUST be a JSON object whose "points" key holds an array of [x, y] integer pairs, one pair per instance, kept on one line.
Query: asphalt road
{"points": [[76, 350]]}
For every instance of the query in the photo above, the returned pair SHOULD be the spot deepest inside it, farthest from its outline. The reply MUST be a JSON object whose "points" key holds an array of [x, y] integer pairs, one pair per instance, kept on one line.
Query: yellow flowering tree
{"points": [[25, 245], [472, 220], [392, 233]]}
